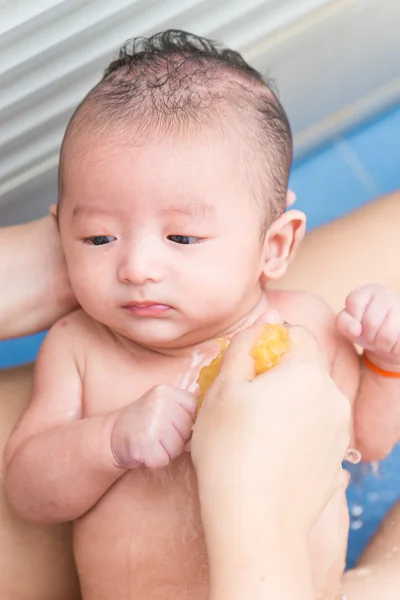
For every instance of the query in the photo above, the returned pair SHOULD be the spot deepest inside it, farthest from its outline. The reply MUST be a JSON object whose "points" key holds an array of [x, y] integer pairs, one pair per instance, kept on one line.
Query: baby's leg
{"points": [[35, 560], [377, 575], [361, 247]]}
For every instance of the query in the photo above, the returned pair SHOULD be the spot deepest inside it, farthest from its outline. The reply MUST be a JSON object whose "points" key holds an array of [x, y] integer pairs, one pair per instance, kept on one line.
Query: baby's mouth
{"points": [[147, 309]]}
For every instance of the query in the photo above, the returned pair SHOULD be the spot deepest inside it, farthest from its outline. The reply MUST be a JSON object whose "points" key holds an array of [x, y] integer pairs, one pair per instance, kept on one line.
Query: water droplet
{"points": [[356, 510], [374, 466], [373, 497], [353, 456]]}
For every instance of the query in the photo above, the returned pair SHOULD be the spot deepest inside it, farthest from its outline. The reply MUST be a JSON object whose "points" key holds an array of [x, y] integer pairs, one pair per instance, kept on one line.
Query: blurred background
{"points": [[336, 64]]}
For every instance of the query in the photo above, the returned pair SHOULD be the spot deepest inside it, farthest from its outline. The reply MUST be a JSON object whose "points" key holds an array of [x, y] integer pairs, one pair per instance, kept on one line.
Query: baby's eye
{"points": [[99, 240], [183, 239]]}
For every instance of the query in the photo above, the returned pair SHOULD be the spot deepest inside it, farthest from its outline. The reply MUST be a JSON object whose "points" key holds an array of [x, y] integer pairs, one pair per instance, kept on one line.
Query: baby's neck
{"points": [[246, 320], [207, 346]]}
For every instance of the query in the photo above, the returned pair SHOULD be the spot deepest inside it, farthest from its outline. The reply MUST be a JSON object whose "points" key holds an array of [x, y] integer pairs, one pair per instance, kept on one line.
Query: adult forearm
{"points": [[60, 474], [35, 285], [269, 565], [255, 550]]}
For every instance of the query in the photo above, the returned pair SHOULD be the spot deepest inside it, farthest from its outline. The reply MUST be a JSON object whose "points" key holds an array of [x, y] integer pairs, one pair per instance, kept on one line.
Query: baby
{"points": [[172, 193]]}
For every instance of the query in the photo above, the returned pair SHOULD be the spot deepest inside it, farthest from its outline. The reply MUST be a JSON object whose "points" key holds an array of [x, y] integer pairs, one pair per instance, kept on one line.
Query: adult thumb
{"points": [[303, 345]]}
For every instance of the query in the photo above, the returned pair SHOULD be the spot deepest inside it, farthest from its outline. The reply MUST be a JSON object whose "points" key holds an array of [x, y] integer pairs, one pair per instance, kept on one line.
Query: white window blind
{"points": [[53, 51]]}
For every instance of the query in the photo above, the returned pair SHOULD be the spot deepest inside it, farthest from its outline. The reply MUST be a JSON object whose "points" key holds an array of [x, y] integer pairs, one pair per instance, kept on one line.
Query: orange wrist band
{"points": [[381, 372]]}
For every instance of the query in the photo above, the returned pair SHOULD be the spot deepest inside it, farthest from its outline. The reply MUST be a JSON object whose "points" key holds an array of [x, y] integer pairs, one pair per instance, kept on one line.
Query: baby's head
{"points": [[173, 182]]}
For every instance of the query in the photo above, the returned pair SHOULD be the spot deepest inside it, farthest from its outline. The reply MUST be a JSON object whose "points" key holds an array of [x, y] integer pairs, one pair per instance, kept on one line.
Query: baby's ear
{"points": [[281, 243]]}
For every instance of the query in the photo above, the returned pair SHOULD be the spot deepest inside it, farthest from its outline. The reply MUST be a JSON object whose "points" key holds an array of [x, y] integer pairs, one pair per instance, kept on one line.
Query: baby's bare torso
{"points": [[144, 540]]}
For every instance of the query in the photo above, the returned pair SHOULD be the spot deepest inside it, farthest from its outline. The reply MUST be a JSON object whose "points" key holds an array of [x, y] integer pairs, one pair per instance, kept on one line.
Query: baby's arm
{"points": [[57, 463], [371, 319]]}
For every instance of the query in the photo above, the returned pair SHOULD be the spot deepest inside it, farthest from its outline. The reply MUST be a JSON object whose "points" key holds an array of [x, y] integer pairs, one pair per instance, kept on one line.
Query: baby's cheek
{"points": [[90, 289]]}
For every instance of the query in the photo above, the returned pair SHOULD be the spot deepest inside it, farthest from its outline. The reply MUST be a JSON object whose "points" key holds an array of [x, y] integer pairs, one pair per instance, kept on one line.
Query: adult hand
{"points": [[278, 439], [36, 289]]}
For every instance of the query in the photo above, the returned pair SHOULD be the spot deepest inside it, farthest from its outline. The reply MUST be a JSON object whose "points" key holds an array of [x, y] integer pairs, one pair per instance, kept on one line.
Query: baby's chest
{"points": [[112, 380]]}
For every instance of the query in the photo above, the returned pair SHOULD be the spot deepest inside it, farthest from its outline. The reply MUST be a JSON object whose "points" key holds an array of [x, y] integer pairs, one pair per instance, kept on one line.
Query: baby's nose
{"points": [[140, 264]]}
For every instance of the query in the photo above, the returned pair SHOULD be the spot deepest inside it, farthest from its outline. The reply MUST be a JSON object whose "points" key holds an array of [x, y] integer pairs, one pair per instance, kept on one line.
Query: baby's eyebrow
{"points": [[191, 209], [88, 211]]}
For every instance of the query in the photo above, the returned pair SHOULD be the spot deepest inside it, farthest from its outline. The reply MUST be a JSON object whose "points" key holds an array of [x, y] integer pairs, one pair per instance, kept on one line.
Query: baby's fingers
{"points": [[187, 401], [348, 325], [387, 339], [156, 456], [358, 301], [173, 443], [183, 422], [373, 321]]}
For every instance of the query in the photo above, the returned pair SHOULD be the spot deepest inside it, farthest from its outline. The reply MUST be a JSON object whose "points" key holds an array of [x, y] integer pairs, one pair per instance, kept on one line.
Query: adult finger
{"points": [[303, 345]]}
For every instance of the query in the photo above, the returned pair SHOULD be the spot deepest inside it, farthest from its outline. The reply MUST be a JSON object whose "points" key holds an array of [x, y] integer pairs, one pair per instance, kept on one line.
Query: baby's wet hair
{"points": [[177, 82]]}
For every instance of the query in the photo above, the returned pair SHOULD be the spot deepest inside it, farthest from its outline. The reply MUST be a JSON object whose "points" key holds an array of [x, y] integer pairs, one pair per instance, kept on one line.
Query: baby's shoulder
{"points": [[303, 308], [311, 311], [74, 322], [75, 329]]}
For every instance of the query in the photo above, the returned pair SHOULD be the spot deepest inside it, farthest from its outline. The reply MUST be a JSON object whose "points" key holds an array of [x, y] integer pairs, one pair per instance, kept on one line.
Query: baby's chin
{"points": [[162, 336]]}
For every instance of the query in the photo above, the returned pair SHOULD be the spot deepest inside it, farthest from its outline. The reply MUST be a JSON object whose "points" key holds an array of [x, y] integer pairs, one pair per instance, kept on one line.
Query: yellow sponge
{"points": [[272, 343]]}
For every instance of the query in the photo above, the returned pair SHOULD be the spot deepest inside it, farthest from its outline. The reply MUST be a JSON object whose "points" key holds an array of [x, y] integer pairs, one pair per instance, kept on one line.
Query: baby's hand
{"points": [[371, 319], [153, 431]]}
